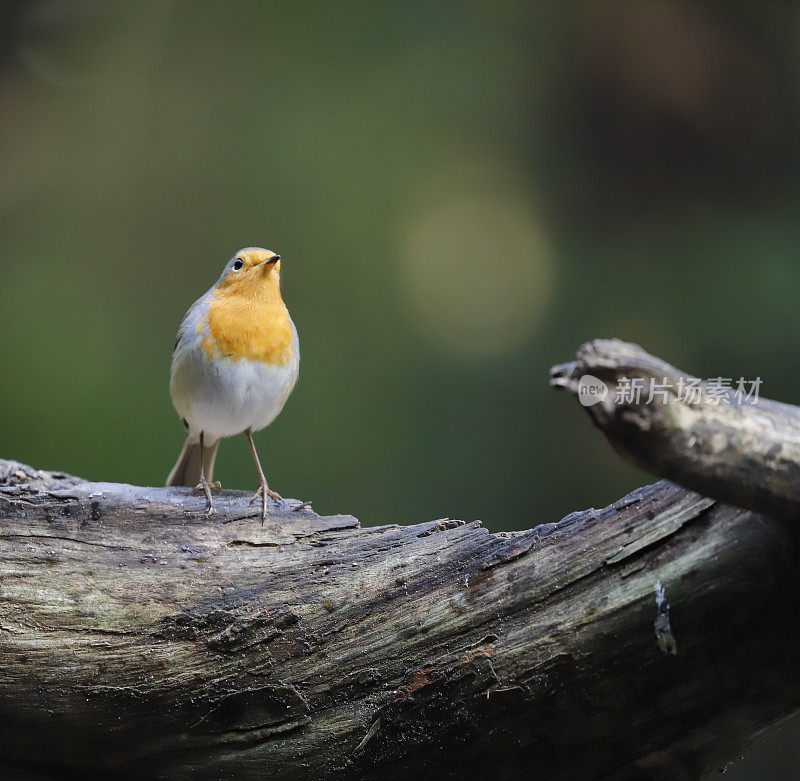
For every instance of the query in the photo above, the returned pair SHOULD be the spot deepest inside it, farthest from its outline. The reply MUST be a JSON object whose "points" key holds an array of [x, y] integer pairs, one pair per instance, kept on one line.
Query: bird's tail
{"points": [[187, 470]]}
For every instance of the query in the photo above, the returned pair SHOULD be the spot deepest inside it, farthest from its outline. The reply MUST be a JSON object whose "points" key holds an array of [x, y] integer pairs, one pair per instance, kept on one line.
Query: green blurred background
{"points": [[463, 193]]}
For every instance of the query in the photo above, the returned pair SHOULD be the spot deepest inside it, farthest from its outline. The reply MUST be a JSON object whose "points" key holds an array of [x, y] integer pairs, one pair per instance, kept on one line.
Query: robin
{"points": [[234, 364]]}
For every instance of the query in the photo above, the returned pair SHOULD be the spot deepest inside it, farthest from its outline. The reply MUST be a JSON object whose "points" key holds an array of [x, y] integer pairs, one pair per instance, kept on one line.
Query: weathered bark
{"points": [[725, 446], [140, 638]]}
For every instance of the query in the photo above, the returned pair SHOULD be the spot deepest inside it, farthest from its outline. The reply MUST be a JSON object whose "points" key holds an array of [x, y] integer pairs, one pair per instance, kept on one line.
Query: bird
{"points": [[235, 362]]}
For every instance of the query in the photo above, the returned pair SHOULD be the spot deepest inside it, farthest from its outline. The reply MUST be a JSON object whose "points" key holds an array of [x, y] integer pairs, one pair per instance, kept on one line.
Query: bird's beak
{"points": [[268, 264]]}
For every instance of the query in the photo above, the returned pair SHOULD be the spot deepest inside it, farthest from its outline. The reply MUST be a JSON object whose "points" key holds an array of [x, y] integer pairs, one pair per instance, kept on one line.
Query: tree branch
{"points": [[141, 638], [726, 447]]}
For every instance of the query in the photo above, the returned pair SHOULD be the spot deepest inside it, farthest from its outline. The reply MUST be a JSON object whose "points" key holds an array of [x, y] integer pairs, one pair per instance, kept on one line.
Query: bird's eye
{"points": [[237, 264]]}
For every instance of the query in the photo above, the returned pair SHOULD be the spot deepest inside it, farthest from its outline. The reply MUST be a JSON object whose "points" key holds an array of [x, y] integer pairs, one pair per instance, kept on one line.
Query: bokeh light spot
{"points": [[477, 265]]}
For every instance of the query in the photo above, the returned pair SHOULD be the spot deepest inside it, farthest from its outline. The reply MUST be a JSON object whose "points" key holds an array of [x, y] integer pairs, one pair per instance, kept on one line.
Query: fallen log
{"points": [[141, 638]]}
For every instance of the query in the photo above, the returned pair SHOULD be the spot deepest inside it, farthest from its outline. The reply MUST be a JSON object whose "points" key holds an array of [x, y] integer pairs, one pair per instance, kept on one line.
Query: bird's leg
{"points": [[204, 484], [263, 489]]}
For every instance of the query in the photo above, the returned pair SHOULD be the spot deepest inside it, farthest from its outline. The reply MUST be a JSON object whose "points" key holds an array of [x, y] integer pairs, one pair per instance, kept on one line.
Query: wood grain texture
{"points": [[653, 638]]}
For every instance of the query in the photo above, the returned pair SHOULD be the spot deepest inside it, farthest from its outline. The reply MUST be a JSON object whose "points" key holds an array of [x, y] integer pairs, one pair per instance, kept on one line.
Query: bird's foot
{"points": [[264, 491], [206, 488]]}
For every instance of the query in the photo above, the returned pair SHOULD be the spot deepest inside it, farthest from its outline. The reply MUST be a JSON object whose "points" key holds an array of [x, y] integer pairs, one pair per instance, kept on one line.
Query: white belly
{"points": [[226, 397]]}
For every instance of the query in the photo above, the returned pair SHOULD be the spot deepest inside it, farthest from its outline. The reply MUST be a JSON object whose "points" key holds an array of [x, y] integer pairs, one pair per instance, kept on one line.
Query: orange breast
{"points": [[247, 326]]}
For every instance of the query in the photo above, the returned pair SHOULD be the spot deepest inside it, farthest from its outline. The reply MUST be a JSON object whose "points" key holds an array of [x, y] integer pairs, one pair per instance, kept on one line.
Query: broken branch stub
{"points": [[715, 441]]}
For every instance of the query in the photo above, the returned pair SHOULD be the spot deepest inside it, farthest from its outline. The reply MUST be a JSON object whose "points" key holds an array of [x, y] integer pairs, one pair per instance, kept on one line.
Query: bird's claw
{"points": [[264, 491], [206, 487], [270, 493]]}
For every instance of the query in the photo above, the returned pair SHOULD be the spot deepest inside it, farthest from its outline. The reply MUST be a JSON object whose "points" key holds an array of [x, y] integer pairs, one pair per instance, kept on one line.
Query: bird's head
{"points": [[252, 271]]}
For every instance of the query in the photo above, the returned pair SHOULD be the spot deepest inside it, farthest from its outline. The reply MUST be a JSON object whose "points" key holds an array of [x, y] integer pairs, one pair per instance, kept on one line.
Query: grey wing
{"points": [[191, 319], [181, 334]]}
